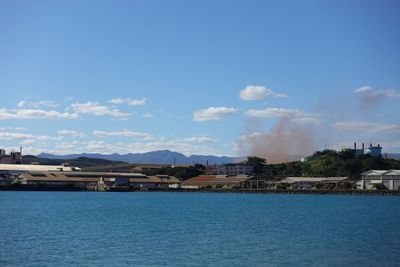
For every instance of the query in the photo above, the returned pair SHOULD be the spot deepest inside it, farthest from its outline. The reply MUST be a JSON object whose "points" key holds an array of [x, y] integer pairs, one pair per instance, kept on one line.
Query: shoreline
{"points": [[237, 191]]}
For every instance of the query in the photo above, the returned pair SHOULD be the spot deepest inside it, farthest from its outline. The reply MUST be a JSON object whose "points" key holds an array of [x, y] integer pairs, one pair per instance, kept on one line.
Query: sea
{"points": [[197, 229]]}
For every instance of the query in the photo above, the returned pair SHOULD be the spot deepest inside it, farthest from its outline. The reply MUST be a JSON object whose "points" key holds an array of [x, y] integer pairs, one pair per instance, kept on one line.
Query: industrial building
{"points": [[7, 170], [374, 151], [94, 180], [379, 179], [12, 158], [229, 169]]}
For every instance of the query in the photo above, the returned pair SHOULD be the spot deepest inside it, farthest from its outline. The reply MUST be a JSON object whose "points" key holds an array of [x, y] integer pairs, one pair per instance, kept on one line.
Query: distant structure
{"points": [[12, 158], [374, 151], [359, 151], [231, 169]]}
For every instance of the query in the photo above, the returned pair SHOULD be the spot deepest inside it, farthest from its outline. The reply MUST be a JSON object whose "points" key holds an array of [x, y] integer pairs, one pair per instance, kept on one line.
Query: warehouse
{"points": [[379, 179], [93, 179]]}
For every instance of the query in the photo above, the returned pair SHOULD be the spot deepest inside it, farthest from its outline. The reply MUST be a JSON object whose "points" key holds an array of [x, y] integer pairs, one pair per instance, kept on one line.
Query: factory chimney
{"points": [[355, 146], [363, 146]]}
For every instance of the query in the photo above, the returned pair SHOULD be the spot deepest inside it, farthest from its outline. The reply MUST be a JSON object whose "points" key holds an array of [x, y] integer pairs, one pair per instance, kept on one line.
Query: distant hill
{"points": [[393, 155], [158, 157], [80, 162]]}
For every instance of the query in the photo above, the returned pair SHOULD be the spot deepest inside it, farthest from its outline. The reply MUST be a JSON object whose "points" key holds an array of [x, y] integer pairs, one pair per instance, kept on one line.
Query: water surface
{"points": [[197, 229]]}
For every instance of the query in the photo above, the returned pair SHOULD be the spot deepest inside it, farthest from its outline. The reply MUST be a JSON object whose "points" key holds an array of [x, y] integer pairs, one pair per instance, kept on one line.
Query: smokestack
{"points": [[370, 145], [363, 146], [379, 145], [20, 150], [355, 146]]}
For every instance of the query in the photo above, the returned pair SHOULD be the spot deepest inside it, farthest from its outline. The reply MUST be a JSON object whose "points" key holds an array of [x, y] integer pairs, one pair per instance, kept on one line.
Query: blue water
{"points": [[197, 229]]}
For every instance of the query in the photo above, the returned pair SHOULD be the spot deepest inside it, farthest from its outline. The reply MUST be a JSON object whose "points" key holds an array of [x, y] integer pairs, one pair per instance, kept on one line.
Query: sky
{"points": [[199, 77]]}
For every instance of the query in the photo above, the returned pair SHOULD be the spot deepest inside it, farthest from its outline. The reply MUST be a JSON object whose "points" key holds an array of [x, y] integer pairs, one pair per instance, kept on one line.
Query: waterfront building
{"points": [[87, 180], [379, 179], [230, 169], [20, 168]]}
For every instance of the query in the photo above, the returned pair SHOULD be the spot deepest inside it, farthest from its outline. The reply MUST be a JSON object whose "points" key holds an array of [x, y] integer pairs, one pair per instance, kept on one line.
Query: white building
{"points": [[19, 168], [388, 179], [229, 169]]}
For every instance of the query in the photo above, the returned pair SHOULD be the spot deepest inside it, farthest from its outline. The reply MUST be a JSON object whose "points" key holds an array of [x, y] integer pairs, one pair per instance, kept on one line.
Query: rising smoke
{"points": [[286, 141]]}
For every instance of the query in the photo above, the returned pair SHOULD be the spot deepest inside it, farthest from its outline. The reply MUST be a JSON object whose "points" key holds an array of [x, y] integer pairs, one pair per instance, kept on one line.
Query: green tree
{"points": [[258, 164]]}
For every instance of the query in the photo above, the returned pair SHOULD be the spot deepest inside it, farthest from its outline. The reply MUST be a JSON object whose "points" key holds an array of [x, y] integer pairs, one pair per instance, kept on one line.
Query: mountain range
{"points": [[159, 157]]}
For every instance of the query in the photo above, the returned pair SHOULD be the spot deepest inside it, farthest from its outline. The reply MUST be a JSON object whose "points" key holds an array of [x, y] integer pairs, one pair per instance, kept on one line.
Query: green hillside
{"points": [[326, 163], [77, 162]]}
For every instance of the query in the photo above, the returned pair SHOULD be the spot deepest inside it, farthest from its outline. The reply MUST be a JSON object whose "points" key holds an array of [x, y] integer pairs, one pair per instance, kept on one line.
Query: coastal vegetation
{"points": [[326, 163]]}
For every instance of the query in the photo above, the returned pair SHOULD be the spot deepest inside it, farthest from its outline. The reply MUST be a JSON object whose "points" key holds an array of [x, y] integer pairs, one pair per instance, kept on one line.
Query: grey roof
{"points": [[381, 173], [28, 167]]}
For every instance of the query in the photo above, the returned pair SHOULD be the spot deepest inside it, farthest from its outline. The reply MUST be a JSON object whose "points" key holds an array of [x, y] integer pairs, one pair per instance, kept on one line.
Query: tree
{"points": [[258, 164], [351, 168]]}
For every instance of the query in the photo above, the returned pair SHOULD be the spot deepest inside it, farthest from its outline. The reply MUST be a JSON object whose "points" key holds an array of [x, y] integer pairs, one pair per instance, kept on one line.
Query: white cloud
{"points": [[72, 133], [6, 114], [98, 110], [43, 103], [15, 136], [148, 115], [129, 101], [306, 120], [200, 139], [372, 92], [295, 115], [20, 128], [366, 126], [254, 92], [212, 113], [38, 104], [123, 133], [26, 138], [13, 128]]}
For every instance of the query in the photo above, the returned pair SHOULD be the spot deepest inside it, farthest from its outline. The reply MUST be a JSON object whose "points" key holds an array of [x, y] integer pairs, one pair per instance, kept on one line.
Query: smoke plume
{"points": [[286, 141]]}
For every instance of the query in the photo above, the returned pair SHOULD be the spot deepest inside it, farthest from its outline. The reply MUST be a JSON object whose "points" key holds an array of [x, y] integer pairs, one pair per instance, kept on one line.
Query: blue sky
{"points": [[199, 77]]}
